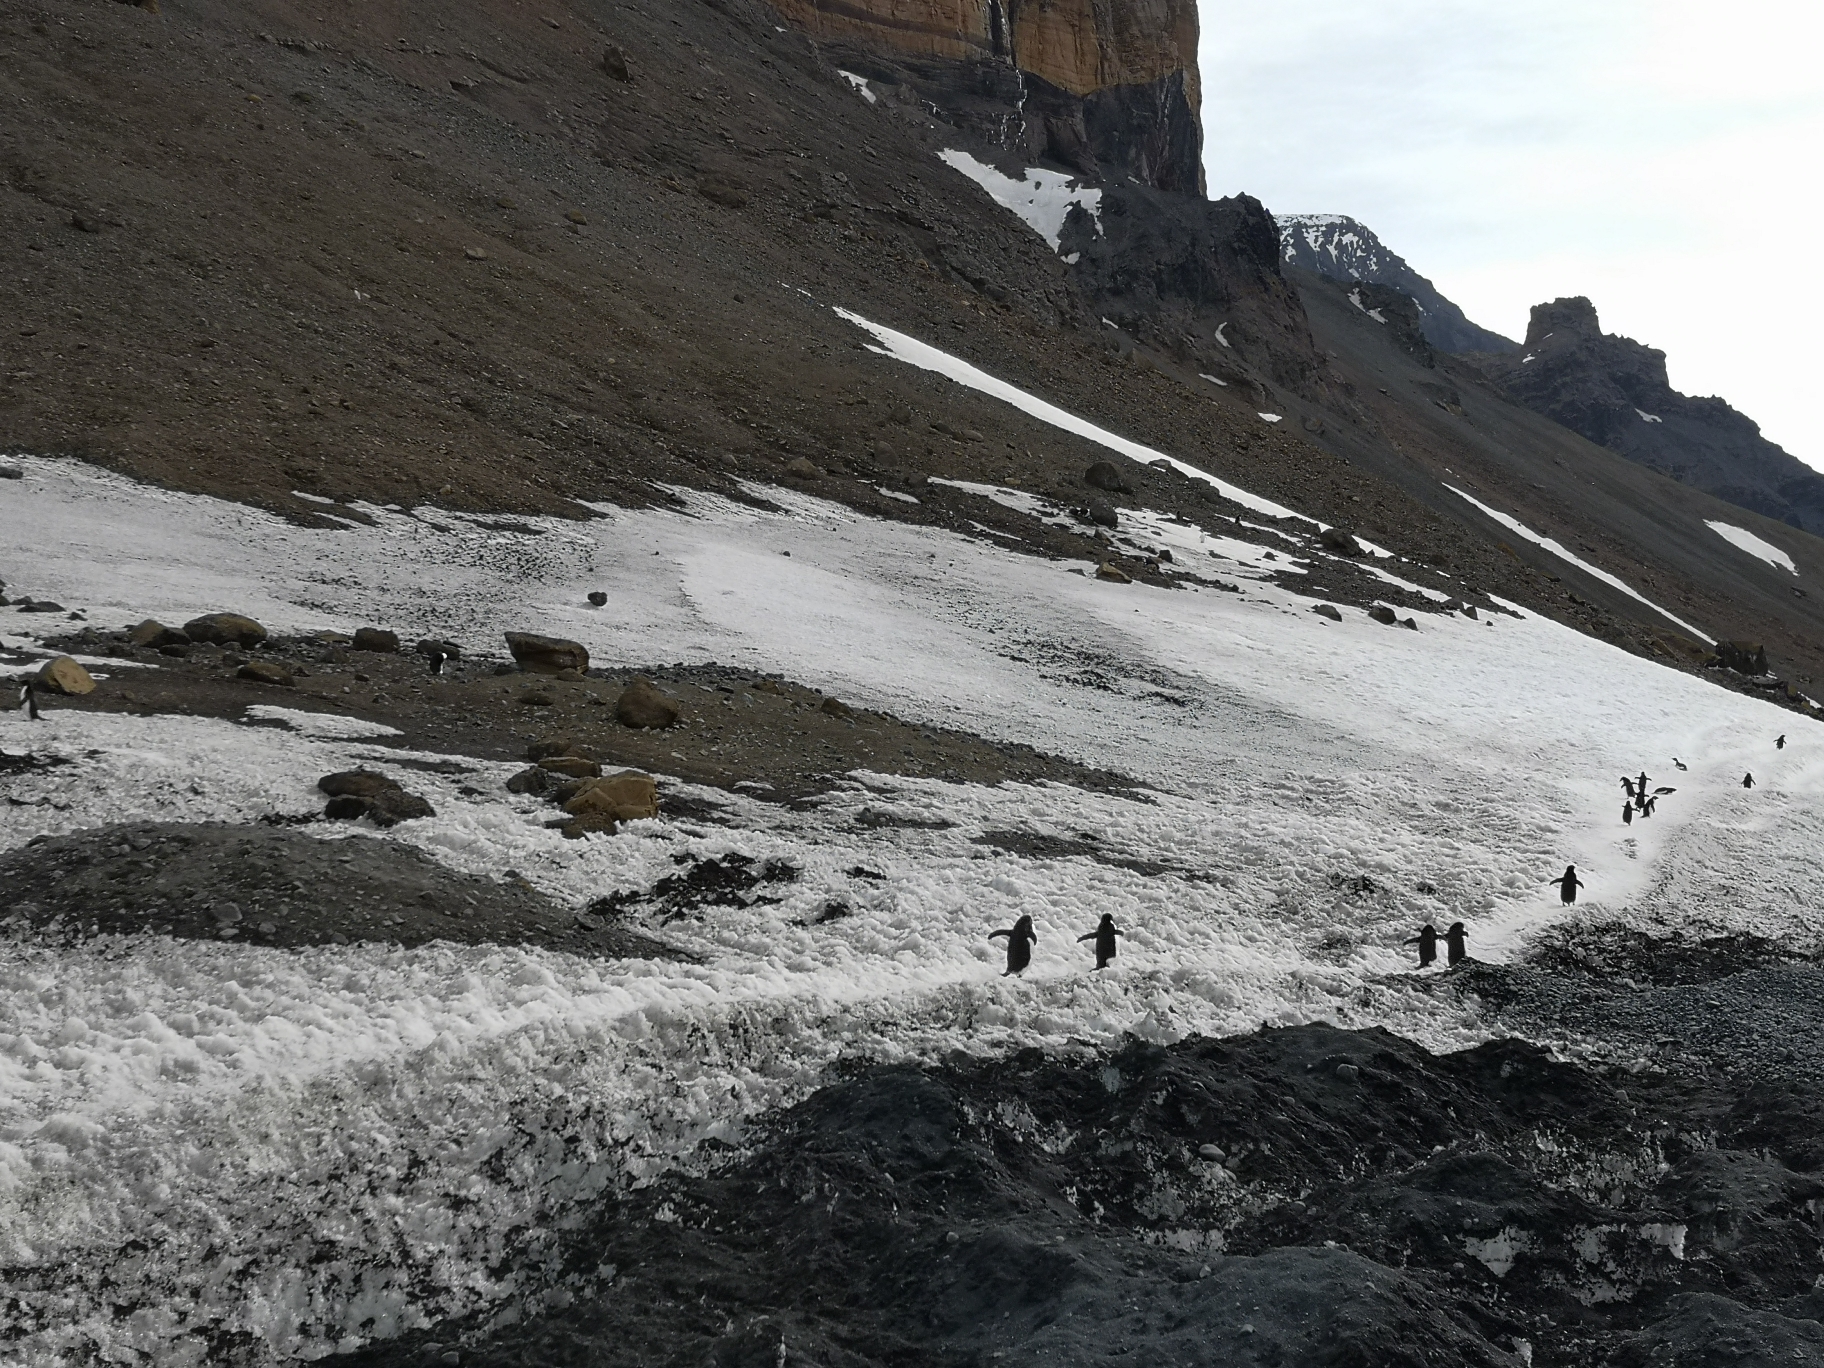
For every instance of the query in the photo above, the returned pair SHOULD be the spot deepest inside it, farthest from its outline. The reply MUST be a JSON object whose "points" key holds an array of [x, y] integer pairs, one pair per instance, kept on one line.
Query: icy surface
{"points": [[315, 1147], [861, 86], [1514, 525], [1646, 417], [1043, 199], [1743, 539]]}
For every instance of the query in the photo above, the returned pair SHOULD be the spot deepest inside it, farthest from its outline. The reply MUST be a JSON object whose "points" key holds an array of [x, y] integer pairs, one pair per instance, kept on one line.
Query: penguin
{"points": [[1640, 786], [437, 658], [1646, 808], [1455, 943], [1568, 884], [1427, 941], [29, 697], [1627, 814], [1779, 742], [1748, 780], [1680, 764], [1627, 785], [1104, 937], [1020, 937]]}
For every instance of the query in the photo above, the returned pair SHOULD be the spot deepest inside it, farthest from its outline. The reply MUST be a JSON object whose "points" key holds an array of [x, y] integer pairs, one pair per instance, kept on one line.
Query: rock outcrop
{"points": [[1614, 391], [1106, 89]]}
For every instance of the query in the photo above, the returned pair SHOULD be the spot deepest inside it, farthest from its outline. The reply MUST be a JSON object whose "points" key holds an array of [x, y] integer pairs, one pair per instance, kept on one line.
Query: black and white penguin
{"points": [[1646, 808], [1779, 742], [1020, 937], [1679, 764], [1627, 814], [437, 659], [1627, 785], [1568, 884], [1748, 779], [1455, 943], [28, 697], [1427, 941], [1104, 937]]}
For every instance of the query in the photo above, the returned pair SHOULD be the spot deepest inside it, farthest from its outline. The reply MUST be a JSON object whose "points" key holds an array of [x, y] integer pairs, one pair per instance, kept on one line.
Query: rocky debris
{"points": [[279, 885], [1113, 573], [155, 635], [802, 468], [1384, 615], [225, 629], [1328, 610], [1108, 477], [266, 672], [546, 655], [732, 880], [835, 707], [375, 639], [1342, 543], [64, 676], [641, 704], [1744, 657], [11, 472], [358, 793]]}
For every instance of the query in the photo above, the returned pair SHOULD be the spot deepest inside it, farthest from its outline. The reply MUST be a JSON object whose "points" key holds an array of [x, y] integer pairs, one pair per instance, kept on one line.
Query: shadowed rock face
{"points": [[1102, 89], [1614, 391]]}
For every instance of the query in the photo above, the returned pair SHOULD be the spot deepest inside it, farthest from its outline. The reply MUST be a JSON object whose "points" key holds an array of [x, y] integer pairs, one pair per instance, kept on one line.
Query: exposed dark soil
{"points": [[1298, 1197], [272, 885]]}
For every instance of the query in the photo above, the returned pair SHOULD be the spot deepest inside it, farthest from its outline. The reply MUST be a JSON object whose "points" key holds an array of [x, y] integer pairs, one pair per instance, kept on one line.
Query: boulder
{"points": [[1114, 574], [65, 676], [1744, 657], [225, 629], [626, 797], [546, 655], [615, 64], [375, 639], [1342, 543], [1100, 514], [835, 707], [802, 468], [1328, 610], [571, 766], [345, 807], [358, 783], [156, 635], [1384, 615], [1108, 477], [535, 780], [597, 599], [265, 672], [394, 805], [557, 745], [589, 824], [11, 472], [642, 705]]}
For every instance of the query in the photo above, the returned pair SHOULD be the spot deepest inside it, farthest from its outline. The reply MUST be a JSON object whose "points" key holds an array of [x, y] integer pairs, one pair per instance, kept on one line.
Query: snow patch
{"points": [[1647, 417], [1042, 199], [1272, 417], [1744, 540], [1213, 380], [861, 86]]}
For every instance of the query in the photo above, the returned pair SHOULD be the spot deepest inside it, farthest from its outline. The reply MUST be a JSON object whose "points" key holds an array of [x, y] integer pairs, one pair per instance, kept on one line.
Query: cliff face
{"points": [[1108, 90], [1614, 391]]}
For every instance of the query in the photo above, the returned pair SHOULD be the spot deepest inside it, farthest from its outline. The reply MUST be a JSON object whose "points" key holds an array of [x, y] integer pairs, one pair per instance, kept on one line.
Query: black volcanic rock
{"points": [[1338, 247], [1614, 391]]}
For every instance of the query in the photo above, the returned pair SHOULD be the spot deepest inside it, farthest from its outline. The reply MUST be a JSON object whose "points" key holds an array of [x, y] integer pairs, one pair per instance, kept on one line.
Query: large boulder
{"points": [[626, 797], [642, 705], [225, 629], [1744, 657], [265, 672], [155, 634], [361, 793], [375, 639], [546, 655], [1342, 543], [356, 783], [1109, 477], [65, 676]]}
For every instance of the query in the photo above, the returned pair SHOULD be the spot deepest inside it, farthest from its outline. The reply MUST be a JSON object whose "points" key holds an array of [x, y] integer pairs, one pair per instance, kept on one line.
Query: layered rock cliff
{"points": [[1108, 90], [1614, 391]]}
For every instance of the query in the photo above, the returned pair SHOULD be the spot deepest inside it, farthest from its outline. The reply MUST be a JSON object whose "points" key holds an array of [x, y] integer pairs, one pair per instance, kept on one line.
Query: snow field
{"points": [[1744, 540], [322, 1146], [1041, 199]]}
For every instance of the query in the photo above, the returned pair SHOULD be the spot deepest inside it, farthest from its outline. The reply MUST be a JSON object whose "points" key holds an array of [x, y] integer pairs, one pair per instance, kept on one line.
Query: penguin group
{"points": [[1456, 944], [1021, 936], [1641, 799]]}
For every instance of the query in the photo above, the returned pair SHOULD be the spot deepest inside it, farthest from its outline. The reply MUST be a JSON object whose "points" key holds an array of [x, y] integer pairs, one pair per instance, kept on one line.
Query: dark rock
{"points": [[1340, 542], [375, 639], [597, 598], [1108, 477], [346, 807], [394, 805], [11, 472], [616, 65], [1383, 614], [177, 650], [359, 783], [557, 745], [1744, 657], [1328, 610], [449, 649], [642, 705], [225, 629], [39, 606], [1100, 514], [536, 780], [265, 672], [156, 635], [835, 707], [546, 655], [571, 766]]}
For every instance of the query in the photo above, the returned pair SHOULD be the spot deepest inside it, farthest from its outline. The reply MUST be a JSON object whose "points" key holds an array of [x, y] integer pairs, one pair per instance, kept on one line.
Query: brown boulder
{"points": [[63, 675], [626, 797], [535, 780], [1107, 476], [1328, 610], [546, 655], [835, 707], [375, 639], [225, 629], [357, 783], [1114, 574], [155, 634], [642, 705], [264, 672], [802, 468], [571, 766]]}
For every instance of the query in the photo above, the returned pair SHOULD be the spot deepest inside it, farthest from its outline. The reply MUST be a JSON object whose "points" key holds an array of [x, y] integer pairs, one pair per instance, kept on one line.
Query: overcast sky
{"points": [[1662, 158]]}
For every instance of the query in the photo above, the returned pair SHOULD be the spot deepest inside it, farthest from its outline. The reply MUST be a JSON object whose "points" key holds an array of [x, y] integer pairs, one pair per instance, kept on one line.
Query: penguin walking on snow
{"points": [[28, 699], [1646, 808], [1679, 764], [1627, 786], [1427, 941], [1627, 814], [1568, 884], [1020, 937], [1456, 943], [1104, 937], [1748, 779], [1779, 742]]}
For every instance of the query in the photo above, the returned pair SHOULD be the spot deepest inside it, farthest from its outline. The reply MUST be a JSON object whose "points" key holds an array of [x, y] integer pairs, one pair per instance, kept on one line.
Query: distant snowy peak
{"points": [[1339, 247]]}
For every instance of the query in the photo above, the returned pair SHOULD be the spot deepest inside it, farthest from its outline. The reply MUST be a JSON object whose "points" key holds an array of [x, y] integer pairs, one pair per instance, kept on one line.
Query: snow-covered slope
{"points": [[297, 1139], [1337, 246]]}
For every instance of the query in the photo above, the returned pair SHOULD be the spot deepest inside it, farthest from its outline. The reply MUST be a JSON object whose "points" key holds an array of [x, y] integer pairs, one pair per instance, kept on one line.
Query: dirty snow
{"points": [[861, 86], [316, 1147], [1649, 417], [1744, 540], [1042, 199]]}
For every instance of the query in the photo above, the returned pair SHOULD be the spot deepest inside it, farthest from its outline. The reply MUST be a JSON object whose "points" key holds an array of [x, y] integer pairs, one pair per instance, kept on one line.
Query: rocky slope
{"points": [[1614, 391], [1339, 248]]}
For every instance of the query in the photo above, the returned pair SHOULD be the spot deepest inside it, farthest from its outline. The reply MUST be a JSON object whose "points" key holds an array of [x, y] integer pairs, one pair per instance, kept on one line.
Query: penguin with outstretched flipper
{"points": [[1427, 941], [1456, 943], [1568, 884], [1020, 937], [1779, 742], [1104, 937], [1748, 779]]}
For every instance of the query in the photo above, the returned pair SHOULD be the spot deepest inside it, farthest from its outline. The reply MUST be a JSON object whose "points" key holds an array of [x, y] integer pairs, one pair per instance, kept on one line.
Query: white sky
{"points": [[1662, 158]]}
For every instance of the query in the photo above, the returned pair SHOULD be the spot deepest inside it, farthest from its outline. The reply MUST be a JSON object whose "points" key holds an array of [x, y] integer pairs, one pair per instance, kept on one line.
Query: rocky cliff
{"points": [[1338, 247], [1108, 90], [1614, 391]]}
